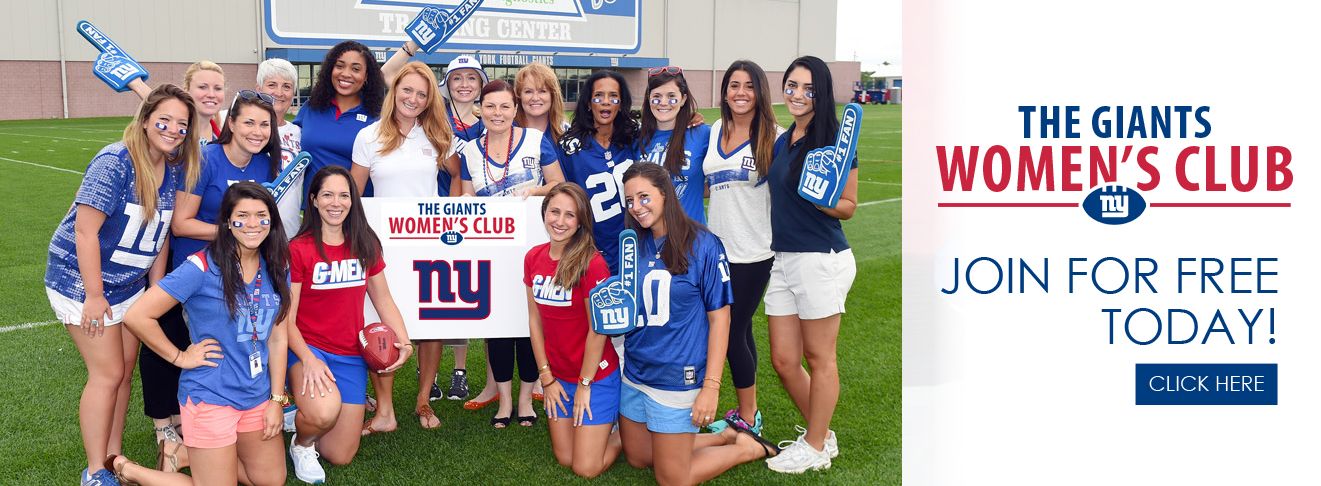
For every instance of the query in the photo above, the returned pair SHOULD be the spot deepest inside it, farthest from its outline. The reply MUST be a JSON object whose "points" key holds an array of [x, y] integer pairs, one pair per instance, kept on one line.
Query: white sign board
{"points": [[455, 265]]}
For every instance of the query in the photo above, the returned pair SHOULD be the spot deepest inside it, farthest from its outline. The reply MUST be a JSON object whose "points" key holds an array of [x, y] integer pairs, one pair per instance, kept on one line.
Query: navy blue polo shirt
{"points": [[328, 137], [796, 224]]}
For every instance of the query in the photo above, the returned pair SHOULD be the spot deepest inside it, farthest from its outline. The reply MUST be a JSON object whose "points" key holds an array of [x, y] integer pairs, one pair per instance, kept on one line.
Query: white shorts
{"points": [[70, 311], [810, 285]]}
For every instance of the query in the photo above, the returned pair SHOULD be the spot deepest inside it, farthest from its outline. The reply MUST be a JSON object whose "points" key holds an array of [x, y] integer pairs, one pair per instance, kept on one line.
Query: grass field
{"points": [[43, 161]]}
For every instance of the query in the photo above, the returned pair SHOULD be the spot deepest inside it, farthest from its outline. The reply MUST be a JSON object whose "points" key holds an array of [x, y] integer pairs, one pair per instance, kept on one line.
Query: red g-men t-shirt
{"points": [[333, 292], [564, 321]]}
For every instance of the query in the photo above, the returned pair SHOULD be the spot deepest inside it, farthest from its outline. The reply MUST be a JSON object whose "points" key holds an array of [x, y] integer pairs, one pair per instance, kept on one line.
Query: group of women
{"points": [[256, 301]]}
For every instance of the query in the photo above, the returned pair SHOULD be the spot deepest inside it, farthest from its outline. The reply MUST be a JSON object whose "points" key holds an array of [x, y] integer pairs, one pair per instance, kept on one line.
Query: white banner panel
{"points": [[455, 265]]}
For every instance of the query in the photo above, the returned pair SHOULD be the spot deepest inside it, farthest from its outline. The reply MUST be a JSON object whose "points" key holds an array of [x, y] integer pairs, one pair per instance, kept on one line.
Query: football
{"points": [[377, 342]]}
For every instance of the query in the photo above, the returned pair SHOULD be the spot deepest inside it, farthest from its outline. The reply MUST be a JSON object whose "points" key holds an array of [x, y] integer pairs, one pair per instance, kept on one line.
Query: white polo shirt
{"points": [[408, 171]]}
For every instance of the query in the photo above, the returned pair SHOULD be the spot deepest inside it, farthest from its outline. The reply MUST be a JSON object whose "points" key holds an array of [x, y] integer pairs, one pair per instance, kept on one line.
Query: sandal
{"points": [[478, 405], [771, 449], [109, 465], [424, 415], [167, 449], [527, 420], [500, 422]]}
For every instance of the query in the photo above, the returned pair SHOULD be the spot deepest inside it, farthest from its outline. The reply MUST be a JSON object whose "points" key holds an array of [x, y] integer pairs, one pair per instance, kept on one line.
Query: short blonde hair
{"points": [[199, 66]]}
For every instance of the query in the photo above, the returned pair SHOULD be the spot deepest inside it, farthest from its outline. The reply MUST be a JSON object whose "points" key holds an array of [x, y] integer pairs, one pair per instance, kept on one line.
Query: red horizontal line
{"points": [[413, 237], [1221, 205], [488, 238], [1006, 205]]}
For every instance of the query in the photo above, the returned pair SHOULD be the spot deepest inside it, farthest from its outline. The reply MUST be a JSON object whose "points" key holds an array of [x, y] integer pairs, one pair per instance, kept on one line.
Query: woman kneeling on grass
{"points": [[573, 361], [236, 293], [667, 394]]}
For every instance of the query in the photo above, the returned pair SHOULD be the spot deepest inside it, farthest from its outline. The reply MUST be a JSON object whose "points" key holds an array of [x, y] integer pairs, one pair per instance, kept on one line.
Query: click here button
{"points": [[1207, 384]]}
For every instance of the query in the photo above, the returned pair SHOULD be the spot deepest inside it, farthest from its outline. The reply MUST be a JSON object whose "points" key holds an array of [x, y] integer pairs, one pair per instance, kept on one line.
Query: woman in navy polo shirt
{"points": [[813, 268], [347, 96]]}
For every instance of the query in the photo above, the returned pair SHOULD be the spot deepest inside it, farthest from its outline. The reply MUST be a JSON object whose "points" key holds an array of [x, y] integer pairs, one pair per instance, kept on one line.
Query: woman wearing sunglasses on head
{"points": [[736, 167], [670, 104], [813, 268], [236, 292], [105, 251]]}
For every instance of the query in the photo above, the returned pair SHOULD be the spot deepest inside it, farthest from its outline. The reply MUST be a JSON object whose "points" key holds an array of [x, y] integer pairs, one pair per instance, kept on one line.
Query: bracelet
{"points": [[410, 345], [177, 354], [544, 384], [405, 49], [712, 379], [545, 367]]}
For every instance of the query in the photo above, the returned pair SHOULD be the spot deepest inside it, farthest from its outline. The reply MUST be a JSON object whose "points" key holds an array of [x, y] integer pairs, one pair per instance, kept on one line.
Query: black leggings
{"points": [[748, 281], [501, 353], [160, 379]]}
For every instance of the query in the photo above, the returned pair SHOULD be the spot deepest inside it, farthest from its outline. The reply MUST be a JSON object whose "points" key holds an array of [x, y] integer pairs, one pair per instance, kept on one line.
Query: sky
{"points": [[869, 31]]}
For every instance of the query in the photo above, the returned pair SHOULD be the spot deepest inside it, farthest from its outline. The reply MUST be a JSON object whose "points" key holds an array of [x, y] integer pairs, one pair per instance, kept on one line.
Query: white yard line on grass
{"points": [[881, 183], [29, 325], [44, 166], [880, 202], [56, 138]]}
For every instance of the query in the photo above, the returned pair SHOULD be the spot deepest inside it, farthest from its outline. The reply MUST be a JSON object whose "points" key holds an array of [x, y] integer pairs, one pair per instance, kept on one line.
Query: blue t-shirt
{"points": [[669, 351], [532, 151], [129, 244], [602, 178], [796, 224], [217, 174], [689, 183], [329, 139], [198, 285]]}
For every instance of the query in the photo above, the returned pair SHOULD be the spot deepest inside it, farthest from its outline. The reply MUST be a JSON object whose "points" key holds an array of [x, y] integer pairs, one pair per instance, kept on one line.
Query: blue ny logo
{"points": [[472, 291]]}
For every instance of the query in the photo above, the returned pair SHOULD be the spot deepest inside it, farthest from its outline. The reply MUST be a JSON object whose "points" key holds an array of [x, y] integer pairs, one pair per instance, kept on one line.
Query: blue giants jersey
{"points": [[669, 351], [129, 240], [602, 177], [198, 285], [689, 183], [217, 174]]}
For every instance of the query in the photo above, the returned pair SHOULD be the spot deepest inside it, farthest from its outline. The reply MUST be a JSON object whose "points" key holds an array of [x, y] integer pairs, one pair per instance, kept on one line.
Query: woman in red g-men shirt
{"points": [[577, 368], [334, 262]]}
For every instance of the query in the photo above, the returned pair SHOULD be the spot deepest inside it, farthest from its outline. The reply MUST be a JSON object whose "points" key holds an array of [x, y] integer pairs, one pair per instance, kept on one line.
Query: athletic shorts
{"points": [[810, 285], [605, 400], [661, 419], [350, 374], [208, 426], [70, 311]]}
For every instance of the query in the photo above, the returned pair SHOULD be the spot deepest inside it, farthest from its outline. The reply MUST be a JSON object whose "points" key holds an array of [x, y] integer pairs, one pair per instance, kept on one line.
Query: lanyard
{"points": [[253, 309]]}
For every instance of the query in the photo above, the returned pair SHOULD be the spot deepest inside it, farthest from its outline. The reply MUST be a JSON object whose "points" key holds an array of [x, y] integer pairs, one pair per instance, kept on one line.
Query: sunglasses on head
{"points": [[670, 70], [248, 95]]}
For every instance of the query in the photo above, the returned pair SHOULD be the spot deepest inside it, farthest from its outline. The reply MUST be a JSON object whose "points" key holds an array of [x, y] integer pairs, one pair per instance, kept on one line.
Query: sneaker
{"points": [[458, 385], [798, 457], [733, 418], [832, 443], [435, 394], [104, 477], [306, 466], [290, 412]]}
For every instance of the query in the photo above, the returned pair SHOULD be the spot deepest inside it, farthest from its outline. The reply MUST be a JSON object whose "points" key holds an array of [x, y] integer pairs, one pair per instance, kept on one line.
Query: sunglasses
{"points": [[809, 93], [249, 95], [670, 70]]}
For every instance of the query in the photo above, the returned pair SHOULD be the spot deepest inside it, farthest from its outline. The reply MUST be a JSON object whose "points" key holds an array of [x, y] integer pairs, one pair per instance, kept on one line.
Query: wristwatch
{"points": [[585, 382], [281, 399]]}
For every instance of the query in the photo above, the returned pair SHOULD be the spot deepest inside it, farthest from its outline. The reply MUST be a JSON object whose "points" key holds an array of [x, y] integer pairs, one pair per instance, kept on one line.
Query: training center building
{"points": [[46, 65]]}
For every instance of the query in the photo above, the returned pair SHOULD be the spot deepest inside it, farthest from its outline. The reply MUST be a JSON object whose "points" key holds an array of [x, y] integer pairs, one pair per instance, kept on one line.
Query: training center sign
{"points": [[455, 265], [565, 26]]}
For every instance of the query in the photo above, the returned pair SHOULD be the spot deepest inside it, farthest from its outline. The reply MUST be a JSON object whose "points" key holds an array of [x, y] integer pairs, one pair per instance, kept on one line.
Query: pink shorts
{"points": [[208, 426]]}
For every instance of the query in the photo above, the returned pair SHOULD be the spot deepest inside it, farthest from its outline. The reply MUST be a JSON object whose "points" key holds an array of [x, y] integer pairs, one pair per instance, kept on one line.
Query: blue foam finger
{"points": [[826, 170], [614, 300], [286, 179], [113, 66], [433, 26]]}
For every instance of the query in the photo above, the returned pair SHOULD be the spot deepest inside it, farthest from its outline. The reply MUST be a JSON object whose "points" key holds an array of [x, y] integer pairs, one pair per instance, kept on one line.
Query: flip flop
{"points": [[424, 413], [772, 450]]}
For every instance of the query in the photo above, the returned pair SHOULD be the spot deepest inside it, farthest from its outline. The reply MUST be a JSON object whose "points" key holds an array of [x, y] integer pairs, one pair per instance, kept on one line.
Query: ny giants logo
{"points": [[468, 296]]}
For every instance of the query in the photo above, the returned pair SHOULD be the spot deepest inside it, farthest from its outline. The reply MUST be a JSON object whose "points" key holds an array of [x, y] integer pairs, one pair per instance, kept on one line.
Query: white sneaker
{"points": [[799, 457], [832, 443], [306, 466]]}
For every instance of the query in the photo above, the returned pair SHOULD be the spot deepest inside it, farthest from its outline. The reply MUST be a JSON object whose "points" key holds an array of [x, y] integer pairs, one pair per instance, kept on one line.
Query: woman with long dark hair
{"points": [[672, 363], [813, 269], [670, 104], [346, 97], [736, 166], [236, 294], [335, 263], [105, 251], [598, 147]]}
